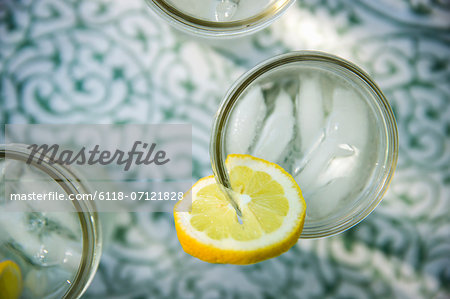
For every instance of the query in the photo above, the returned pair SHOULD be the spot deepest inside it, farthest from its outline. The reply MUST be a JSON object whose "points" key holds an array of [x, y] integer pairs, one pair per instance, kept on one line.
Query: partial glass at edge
{"points": [[283, 68], [83, 258], [220, 18]]}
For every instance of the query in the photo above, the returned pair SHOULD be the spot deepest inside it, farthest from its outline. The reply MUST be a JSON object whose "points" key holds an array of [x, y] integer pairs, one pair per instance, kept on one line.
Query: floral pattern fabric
{"points": [[108, 61]]}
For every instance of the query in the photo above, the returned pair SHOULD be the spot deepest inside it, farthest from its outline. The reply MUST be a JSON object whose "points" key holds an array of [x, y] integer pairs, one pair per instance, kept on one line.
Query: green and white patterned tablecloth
{"points": [[104, 61]]}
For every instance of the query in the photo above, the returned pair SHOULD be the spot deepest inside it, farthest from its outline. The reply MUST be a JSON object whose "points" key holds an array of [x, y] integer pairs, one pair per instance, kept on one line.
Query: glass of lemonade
{"points": [[220, 17], [56, 244], [325, 122]]}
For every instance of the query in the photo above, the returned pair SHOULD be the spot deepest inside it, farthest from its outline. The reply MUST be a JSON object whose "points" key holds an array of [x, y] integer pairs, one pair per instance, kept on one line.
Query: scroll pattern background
{"points": [[115, 62]]}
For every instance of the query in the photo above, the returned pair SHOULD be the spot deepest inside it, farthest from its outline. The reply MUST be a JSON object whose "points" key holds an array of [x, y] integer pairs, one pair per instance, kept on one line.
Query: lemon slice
{"points": [[10, 280], [272, 207]]}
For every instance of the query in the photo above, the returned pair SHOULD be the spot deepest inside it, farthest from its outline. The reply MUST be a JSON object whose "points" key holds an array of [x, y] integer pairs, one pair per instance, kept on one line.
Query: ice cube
{"points": [[46, 282], [347, 132], [313, 165], [15, 229], [36, 282], [325, 200], [309, 112], [61, 251], [349, 119], [41, 241], [325, 177], [225, 10], [343, 163], [277, 131], [245, 119]]}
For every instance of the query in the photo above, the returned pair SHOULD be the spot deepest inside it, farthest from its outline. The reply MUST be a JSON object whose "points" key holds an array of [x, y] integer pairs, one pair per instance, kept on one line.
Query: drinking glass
{"points": [[219, 18], [325, 121], [56, 243]]}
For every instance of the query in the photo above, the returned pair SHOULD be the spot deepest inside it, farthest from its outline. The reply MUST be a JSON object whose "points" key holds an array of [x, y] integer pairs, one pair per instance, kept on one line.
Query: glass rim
{"points": [[69, 181], [218, 29], [241, 84]]}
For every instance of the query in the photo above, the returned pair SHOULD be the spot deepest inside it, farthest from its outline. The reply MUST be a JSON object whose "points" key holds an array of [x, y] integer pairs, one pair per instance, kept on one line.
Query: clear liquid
{"points": [[319, 127], [47, 246], [222, 10]]}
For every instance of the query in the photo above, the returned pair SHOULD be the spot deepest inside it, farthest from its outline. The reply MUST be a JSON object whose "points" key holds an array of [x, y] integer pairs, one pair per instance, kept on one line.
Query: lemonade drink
{"points": [[220, 17], [222, 10], [317, 130], [324, 123], [56, 249]]}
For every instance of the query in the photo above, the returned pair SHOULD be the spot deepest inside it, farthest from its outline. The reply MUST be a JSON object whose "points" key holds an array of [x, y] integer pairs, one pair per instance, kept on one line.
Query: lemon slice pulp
{"points": [[273, 214], [10, 280]]}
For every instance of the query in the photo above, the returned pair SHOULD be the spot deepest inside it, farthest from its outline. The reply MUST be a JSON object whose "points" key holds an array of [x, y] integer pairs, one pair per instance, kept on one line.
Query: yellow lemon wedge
{"points": [[10, 280], [272, 208]]}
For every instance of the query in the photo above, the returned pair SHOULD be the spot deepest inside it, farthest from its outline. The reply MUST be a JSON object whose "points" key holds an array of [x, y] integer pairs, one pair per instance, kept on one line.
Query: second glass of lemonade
{"points": [[55, 243], [325, 122], [219, 18]]}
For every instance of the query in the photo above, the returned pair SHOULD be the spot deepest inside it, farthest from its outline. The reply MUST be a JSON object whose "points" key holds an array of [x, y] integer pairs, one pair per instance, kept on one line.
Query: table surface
{"points": [[116, 62]]}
